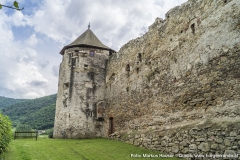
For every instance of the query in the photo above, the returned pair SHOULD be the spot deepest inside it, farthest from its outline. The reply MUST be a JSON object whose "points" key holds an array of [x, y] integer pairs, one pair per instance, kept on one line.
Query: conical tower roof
{"points": [[87, 39]]}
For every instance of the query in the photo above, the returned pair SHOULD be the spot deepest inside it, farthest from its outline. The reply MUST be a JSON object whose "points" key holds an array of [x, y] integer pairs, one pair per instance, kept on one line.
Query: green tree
{"points": [[14, 6], [39, 113], [23, 128], [5, 132]]}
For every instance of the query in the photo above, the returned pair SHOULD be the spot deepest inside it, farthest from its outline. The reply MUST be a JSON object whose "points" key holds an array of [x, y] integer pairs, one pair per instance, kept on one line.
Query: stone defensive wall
{"points": [[177, 88]]}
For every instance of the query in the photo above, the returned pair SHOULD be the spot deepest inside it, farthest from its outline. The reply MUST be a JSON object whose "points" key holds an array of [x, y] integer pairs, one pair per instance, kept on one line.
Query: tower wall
{"points": [[80, 99]]}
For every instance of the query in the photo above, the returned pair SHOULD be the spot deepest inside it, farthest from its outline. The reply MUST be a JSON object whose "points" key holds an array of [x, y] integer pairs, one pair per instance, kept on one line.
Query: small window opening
{"points": [[69, 115], [225, 1], [91, 54], [127, 67], [170, 39], [111, 130], [139, 57], [137, 70], [181, 31], [193, 28]]}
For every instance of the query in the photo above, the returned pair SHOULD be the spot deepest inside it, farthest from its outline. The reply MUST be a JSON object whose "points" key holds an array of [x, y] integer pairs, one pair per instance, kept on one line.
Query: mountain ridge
{"points": [[38, 113], [5, 101]]}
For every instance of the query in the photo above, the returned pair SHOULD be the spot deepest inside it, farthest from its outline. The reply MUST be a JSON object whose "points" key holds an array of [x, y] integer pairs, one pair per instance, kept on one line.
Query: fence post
{"points": [[36, 134]]}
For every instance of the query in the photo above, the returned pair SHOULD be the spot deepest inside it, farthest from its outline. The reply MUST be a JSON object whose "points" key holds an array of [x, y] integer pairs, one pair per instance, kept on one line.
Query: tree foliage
{"points": [[38, 113], [4, 102], [5, 132], [23, 128], [14, 6]]}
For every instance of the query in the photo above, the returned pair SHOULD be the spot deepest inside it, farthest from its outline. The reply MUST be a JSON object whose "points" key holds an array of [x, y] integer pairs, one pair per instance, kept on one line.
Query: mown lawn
{"points": [[69, 149]]}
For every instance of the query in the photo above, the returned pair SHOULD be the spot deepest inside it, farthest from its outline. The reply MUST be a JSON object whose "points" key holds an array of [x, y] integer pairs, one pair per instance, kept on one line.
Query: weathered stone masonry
{"points": [[177, 88]]}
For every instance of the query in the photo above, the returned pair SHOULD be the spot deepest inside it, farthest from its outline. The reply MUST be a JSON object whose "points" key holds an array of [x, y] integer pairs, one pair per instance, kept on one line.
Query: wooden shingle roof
{"points": [[87, 39]]}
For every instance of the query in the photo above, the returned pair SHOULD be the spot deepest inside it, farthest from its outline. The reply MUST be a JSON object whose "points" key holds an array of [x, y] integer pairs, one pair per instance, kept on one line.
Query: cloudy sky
{"points": [[31, 39]]}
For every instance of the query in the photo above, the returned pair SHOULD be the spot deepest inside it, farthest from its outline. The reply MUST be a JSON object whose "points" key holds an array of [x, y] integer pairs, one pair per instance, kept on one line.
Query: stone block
{"points": [[185, 150], [204, 147], [171, 144], [175, 149], [237, 137], [233, 134], [214, 146], [218, 140], [200, 140], [192, 146], [163, 143], [231, 138], [229, 153], [183, 143], [227, 142], [234, 147], [155, 142]]}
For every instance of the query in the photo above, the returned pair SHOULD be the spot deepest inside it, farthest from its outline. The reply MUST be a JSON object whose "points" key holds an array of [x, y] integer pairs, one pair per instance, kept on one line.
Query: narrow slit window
{"points": [[137, 70], [193, 28], [111, 128], [139, 57], [127, 67]]}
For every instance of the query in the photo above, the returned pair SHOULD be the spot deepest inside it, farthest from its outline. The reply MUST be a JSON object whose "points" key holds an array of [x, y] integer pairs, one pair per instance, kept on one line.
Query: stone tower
{"points": [[80, 99]]}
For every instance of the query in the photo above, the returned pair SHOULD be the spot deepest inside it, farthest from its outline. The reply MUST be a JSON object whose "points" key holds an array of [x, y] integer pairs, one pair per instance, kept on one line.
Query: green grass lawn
{"points": [[70, 149]]}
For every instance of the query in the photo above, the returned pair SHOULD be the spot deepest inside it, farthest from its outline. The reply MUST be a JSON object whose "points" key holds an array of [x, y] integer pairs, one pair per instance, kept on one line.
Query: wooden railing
{"points": [[26, 134]]}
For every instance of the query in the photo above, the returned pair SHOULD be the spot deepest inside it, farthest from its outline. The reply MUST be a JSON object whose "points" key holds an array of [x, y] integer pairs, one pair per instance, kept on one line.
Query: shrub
{"points": [[5, 132], [50, 135]]}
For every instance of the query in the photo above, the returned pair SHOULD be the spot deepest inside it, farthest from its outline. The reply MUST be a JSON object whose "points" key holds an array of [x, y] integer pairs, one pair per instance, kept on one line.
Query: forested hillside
{"points": [[38, 113], [4, 102]]}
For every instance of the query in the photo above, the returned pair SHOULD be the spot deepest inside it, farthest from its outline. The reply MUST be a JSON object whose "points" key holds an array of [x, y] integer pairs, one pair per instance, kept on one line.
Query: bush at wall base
{"points": [[5, 132]]}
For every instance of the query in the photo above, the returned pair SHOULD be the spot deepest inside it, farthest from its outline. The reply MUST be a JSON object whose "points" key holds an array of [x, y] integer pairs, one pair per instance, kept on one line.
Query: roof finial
{"points": [[89, 25]]}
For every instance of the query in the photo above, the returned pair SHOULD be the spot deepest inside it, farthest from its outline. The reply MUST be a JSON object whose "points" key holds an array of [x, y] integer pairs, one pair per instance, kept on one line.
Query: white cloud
{"points": [[20, 77], [18, 19], [32, 41], [114, 22], [29, 68]]}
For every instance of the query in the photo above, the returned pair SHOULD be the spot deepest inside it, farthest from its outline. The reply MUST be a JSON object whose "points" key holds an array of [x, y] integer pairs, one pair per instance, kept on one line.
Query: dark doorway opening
{"points": [[111, 125]]}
